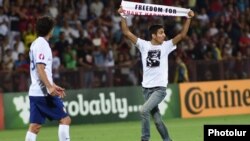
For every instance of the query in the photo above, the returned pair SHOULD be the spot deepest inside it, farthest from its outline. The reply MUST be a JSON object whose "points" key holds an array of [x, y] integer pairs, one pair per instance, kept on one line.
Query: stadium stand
{"points": [[90, 51]]}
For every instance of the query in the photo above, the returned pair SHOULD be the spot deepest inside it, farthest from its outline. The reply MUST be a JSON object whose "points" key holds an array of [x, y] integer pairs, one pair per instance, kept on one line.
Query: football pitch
{"points": [[179, 129]]}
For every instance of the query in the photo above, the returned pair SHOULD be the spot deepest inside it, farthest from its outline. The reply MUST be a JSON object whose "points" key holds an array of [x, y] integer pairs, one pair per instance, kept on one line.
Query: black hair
{"points": [[153, 29], [44, 25]]}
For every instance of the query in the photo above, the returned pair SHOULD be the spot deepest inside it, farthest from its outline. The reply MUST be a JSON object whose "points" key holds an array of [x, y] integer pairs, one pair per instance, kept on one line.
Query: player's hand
{"points": [[56, 91], [191, 14], [60, 91], [52, 91]]}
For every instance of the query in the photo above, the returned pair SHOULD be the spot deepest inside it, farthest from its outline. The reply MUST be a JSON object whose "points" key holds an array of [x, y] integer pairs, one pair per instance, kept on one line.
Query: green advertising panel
{"points": [[170, 106], [93, 106], [104, 105], [16, 110]]}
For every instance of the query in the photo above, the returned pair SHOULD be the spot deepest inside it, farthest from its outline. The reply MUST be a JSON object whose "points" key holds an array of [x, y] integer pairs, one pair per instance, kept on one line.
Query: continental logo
{"points": [[215, 98], [197, 100]]}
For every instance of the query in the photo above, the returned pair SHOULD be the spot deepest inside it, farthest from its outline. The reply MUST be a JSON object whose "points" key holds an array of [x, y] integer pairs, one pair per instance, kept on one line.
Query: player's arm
{"points": [[184, 30], [125, 28], [43, 77]]}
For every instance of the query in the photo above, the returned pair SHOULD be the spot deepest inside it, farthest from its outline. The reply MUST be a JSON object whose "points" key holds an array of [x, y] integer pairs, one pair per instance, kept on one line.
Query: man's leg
{"points": [[63, 130], [162, 129], [153, 97], [145, 123], [32, 132]]}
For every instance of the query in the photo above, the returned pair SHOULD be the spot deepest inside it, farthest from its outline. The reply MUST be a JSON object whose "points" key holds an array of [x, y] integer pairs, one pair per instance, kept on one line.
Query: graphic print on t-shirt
{"points": [[153, 59]]}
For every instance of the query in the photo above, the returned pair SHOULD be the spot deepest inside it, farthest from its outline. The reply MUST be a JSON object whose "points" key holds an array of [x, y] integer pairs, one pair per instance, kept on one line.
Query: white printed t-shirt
{"points": [[155, 62], [40, 53]]}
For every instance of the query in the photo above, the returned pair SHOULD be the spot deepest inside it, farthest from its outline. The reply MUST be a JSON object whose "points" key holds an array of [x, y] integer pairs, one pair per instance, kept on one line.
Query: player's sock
{"points": [[63, 133], [30, 136]]}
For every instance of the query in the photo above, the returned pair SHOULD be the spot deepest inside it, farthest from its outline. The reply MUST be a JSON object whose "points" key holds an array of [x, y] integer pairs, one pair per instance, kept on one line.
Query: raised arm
{"points": [[184, 30], [125, 29]]}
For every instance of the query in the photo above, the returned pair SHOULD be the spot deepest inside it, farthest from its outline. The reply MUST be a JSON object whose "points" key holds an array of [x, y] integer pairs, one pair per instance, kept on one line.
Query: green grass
{"points": [[179, 129]]}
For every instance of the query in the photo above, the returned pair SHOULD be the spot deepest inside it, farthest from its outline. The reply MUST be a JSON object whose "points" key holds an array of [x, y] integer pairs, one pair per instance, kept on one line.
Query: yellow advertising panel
{"points": [[215, 98]]}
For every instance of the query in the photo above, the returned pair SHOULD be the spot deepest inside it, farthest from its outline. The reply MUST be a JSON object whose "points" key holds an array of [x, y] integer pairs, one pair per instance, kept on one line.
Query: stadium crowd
{"points": [[87, 37]]}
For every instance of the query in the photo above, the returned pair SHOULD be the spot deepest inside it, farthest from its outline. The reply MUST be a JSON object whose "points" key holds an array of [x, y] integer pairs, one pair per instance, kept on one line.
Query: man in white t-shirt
{"points": [[154, 56], [45, 96]]}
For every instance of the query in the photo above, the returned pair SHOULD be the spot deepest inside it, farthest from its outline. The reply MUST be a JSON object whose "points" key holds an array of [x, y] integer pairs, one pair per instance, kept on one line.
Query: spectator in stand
{"points": [[61, 45], [57, 30], [203, 17], [122, 71], [21, 66], [192, 4], [213, 30], [5, 44], [8, 61], [82, 9], [96, 7], [227, 49], [69, 32], [14, 20], [215, 8], [116, 33], [4, 23], [239, 67], [56, 65], [216, 53], [86, 61], [53, 10], [244, 42], [18, 45], [181, 72], [69, 57], [109, 63], [105, 20], [29, 35]]}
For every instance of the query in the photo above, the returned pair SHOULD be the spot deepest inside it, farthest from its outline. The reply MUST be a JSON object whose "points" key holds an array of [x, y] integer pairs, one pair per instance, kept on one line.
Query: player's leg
{"points": [[54, 109], [160, 126], [63, 130], [32, 132], [37, 118]]}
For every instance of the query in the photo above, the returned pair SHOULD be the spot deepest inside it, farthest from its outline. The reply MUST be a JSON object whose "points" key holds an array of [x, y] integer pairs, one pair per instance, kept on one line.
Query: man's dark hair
{"points": [[44, 25], [153, 29]]}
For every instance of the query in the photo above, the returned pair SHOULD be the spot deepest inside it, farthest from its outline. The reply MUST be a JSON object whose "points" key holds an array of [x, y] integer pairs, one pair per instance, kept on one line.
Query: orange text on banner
{"points": [[215, 98]]}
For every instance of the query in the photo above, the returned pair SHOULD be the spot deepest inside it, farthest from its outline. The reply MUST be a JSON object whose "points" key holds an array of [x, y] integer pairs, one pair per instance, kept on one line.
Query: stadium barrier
{"points": [[102, 105], [88, 106], [1, 112], [214, 98]]}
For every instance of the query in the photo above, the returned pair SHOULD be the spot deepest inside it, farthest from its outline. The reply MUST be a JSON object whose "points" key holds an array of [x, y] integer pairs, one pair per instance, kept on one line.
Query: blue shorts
{"points": [[42, 107]]}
